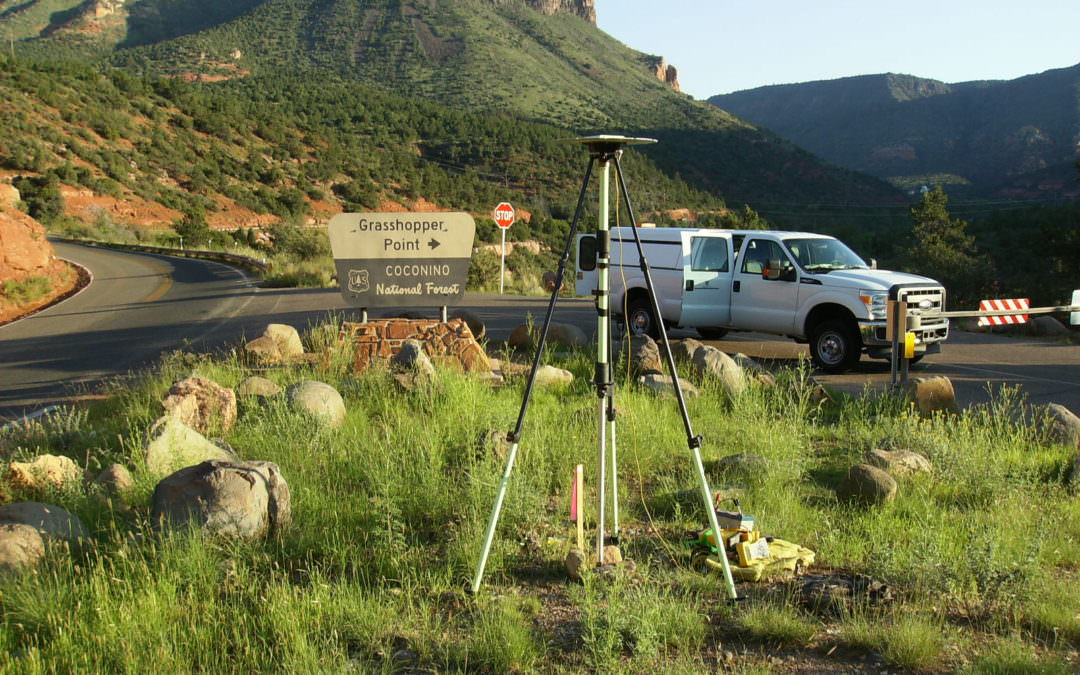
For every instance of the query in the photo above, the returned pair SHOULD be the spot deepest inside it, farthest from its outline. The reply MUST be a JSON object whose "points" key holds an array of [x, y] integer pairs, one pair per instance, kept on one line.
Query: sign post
{"points": [[402, 259], [504, 218]]}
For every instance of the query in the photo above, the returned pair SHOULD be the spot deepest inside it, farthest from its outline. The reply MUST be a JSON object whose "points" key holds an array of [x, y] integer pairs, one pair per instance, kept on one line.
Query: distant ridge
{"points": [[986, 135]]}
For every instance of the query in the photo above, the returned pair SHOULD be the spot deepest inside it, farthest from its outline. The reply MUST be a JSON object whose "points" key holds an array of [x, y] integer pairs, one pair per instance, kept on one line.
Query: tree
{"points": [[945, 251]]}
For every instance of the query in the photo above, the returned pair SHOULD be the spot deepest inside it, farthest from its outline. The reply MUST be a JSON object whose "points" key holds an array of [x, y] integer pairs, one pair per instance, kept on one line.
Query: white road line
{"points": [[1003, 373]]}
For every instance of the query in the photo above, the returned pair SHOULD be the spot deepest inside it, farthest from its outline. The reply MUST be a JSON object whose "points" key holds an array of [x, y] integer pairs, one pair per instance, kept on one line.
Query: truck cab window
{"points": [[708, 254], [758, 254]]}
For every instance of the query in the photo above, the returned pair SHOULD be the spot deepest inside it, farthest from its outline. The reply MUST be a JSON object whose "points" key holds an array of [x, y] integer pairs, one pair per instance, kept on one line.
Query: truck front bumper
{"points": [[928, 337]]}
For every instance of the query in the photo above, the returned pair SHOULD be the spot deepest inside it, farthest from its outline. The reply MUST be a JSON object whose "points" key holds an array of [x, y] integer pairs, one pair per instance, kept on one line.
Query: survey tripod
{"points": [[604, 151]]}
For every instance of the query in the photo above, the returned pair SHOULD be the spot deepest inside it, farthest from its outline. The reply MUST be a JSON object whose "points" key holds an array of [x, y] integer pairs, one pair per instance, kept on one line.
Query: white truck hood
{"points": [[870, 279]]}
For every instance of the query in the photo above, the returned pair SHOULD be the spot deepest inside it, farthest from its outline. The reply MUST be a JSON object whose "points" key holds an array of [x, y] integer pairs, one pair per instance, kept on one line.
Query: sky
{"points": [[721, 46]]}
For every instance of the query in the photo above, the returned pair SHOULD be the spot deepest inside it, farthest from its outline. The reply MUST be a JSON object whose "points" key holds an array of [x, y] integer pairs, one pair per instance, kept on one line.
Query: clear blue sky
{"points": [[720, 46]]}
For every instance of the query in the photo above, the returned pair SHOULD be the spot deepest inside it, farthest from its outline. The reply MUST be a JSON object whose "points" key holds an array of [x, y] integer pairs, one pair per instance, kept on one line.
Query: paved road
{"points": [[141, 306]]}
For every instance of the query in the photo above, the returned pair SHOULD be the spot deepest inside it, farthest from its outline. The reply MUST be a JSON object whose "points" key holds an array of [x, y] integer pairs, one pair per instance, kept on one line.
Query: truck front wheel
{"points": [[640, 319], [835, 346]]}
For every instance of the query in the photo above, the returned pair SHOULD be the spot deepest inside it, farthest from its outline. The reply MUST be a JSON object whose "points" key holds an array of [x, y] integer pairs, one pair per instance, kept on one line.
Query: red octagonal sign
{"points": [[504, 215]]}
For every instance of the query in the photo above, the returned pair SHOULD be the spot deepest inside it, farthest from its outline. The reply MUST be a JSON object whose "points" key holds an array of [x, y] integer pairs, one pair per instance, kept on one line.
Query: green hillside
{"points": [[481, 56], [977, 137]]}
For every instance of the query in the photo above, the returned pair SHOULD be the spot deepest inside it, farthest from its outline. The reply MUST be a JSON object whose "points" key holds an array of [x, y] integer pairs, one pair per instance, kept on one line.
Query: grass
{"points": [[25, 290], [389, 513]]}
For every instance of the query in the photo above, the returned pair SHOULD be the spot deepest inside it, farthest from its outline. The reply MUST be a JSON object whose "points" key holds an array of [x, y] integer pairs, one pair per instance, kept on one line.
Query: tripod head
{"points": [[604, 146]]}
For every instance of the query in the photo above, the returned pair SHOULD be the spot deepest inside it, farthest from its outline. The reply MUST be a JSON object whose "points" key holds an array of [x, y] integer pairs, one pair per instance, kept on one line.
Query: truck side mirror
{"points": [[772, 271]]}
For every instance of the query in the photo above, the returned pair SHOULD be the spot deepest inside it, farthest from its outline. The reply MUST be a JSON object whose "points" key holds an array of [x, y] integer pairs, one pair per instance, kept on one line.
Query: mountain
{"points": [[543, 60], [990, 135]]}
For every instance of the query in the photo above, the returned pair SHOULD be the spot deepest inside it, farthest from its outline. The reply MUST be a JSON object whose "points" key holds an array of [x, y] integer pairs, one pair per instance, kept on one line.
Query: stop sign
{"points": [[504, 215]]}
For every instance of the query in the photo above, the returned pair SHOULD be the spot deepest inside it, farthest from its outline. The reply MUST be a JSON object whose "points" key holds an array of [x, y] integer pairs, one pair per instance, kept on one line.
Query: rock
{"points": [[495, 442], [747, 364], [171, 445], [612, 555], [202, 404], [1062, 425], [258, 386], [819, 395], [21, 547], [711, 362], [663, 384], [898, 463], [520, 336], [412, 360], [264, 351], [764, 379], [550, 376], [114, 479], [575, 563], [645, 356], [44, 471], [566, 335], [50, 521], [867, 484], [24, 250], [1048, 325], [840, 592], [474, 322], [931, 395], [286, 338], [319, 400], [684, 350], [240, 499]]}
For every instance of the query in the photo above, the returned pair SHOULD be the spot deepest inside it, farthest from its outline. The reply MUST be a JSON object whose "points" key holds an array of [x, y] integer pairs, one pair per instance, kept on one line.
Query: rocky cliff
{"points": [[586, 9], [24, 251]]}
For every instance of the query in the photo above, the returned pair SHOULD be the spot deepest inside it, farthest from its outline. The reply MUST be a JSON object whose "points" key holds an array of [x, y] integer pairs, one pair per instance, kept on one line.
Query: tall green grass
{"points": [[389, 512]]}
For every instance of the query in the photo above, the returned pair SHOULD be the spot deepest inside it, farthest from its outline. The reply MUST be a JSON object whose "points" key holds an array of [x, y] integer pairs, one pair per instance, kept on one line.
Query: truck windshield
{"points": [[823, 255]]}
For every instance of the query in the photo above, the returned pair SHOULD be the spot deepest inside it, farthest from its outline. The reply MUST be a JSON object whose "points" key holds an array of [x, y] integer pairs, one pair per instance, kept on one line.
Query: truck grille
{"points": [[927, 301]]}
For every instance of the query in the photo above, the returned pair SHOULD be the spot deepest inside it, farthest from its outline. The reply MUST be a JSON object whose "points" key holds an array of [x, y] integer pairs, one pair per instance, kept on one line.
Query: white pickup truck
{"points": [[809, 287]]}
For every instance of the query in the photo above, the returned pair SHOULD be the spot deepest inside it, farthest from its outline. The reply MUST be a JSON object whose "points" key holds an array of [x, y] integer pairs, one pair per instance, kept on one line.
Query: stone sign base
{"points": [[448, 344]]}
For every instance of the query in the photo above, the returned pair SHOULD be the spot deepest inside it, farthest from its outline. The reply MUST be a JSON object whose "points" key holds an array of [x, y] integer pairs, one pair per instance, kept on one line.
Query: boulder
{"points": [[898, 463], [287, 340], [841, 592], [663, 384], [412, 360], [264, 351], [239, 499], [258, 386], [747, 364], [52, 522], [474, 322], [645, 355], [21, 547], [550, 376], [1062, 425], [202, 404], [1049, 325], [867, 484], [575, 564], [171, 444], [684, 350], [520, 336], [612, 555], [550, 279], [319, 400], [931, 395], [566, 335], [44, 471], [713, 363], [114, 479]]}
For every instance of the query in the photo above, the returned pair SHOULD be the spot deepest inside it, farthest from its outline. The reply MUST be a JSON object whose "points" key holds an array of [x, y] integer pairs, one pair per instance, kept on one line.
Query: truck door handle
{"points": [[689, 284], [735, 287]]}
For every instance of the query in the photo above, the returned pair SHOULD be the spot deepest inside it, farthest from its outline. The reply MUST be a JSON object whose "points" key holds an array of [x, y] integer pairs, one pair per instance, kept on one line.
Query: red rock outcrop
{"points": [[586, 9], [24, 251]]}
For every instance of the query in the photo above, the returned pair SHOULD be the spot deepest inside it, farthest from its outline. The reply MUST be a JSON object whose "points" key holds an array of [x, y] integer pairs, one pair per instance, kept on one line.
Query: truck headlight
{"points": [[876, 302]]}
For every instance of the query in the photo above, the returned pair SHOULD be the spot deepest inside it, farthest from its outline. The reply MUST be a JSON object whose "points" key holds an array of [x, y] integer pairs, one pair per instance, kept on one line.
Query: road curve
{"points": [[137, 307]]}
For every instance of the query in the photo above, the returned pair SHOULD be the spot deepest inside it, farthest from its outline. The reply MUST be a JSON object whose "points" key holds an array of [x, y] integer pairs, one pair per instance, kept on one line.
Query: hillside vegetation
{"points": [[477, 55], [977, 137]]}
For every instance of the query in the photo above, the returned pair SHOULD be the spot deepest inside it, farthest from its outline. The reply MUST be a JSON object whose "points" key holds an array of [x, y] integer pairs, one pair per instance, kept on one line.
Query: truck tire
{"points": [[835, 346], [640, 319], [712, 333]]}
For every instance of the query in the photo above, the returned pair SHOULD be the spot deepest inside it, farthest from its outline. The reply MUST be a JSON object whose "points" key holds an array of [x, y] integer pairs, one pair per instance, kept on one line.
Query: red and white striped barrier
{"points": [[1009, 305]]}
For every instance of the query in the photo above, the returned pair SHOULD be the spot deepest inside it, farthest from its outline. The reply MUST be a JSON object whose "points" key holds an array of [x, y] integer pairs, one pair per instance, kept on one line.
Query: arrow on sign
{"points": [[433, 244]]}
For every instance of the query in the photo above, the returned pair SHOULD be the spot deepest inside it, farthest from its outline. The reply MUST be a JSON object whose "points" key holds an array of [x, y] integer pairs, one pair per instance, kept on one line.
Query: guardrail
{"points": [[260, 266]]}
